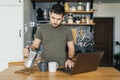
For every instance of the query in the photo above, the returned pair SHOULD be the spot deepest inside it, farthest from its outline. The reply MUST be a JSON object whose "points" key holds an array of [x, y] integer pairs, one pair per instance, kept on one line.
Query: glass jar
{"points": [[80, 6], [70, 20], [73, 8], [83, 19], [87, 19]]}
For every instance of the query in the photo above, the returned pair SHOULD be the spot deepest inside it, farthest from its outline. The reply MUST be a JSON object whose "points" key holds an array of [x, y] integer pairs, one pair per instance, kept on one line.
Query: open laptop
{"points": [[85, 62]]}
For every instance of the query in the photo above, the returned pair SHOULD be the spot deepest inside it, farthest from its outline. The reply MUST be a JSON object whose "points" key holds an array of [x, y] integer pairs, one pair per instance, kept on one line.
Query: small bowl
{"points": [[77, 22]]}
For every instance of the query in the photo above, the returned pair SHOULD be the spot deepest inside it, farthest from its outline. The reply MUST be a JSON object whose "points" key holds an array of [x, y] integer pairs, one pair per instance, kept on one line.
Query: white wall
{"points": [[110, 10]]}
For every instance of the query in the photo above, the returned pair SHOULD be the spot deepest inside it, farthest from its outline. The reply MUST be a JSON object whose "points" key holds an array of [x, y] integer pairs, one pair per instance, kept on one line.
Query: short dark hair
{"points": [[58, 9]]}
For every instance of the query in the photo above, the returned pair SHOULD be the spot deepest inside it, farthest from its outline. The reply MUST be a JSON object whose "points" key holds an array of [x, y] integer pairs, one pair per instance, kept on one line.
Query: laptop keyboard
{"points": [[66, 70]]}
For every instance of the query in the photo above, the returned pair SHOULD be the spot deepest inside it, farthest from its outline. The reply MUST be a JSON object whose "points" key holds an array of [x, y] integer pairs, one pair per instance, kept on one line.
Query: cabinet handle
{"points": [[20, 33], [20, 1]]}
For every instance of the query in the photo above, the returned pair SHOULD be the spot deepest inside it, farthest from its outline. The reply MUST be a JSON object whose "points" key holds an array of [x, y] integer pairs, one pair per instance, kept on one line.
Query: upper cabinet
{"points": [[11, 2]]}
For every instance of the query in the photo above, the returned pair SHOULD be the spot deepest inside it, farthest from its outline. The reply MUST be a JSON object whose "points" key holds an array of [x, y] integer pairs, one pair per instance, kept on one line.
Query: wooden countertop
{"points": [[102, 73]]}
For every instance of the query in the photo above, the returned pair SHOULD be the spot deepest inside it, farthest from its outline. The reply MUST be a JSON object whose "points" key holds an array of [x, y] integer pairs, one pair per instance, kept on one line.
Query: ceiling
{"points": [[107, 1]]}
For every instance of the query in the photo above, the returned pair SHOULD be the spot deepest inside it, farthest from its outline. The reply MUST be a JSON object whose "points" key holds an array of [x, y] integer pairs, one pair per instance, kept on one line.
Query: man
{"points": [[54, 36]]}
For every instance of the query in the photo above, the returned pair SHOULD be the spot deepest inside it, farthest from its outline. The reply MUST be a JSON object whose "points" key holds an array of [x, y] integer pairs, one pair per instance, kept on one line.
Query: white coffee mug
{"points": [[52, 66]]}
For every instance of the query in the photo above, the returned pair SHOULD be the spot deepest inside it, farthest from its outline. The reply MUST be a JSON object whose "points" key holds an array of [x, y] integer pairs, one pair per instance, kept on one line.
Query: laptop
{"points": [[85, 62]]}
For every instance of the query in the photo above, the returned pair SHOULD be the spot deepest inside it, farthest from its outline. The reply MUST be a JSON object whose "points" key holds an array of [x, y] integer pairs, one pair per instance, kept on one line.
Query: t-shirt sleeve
{"points": [[69, 37], [38, 34]]}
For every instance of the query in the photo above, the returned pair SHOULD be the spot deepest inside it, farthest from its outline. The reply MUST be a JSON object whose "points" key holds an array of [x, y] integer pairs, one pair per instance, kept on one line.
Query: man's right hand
{"points": [[26, 51]]}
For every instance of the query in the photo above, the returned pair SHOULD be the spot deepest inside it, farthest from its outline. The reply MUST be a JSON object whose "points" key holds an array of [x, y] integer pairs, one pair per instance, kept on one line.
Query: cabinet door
{"points": [[11, 2], [103, 37], [11, 33]]}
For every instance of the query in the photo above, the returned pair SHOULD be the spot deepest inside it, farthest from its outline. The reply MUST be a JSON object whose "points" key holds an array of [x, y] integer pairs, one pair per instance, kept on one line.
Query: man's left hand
{"points": [[69, 63]]}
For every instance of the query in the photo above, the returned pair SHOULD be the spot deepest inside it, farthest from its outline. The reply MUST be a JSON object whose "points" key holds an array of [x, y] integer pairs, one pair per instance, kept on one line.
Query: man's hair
{"points": [[58, 9]]}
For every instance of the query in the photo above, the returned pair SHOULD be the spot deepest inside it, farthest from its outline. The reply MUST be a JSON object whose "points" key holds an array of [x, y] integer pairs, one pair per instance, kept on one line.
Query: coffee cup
{"points": [[43, 66], [52, 66]]}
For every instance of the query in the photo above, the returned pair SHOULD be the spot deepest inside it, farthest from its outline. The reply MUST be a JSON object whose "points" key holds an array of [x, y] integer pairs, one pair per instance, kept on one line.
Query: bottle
{"points": [[88, 6], [66, 6]]}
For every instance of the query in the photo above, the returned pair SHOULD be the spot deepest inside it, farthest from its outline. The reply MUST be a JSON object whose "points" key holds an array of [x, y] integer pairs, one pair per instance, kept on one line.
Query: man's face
{"points": [[55, 19]]}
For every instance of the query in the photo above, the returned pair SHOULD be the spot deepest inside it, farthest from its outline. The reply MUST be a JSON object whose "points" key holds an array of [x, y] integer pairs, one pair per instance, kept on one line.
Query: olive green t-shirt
{"points": [[54, 42]]}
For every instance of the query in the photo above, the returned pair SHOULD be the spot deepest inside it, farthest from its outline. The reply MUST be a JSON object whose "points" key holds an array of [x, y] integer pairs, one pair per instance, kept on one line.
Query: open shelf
{"points": [[80, 24], [84, 12]]}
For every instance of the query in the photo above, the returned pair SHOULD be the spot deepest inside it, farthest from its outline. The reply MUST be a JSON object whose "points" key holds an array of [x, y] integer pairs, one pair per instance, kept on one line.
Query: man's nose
{"points": [[55, 21]]}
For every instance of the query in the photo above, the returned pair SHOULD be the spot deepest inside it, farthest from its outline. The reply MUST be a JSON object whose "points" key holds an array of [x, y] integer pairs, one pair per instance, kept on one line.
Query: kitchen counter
{"points": [[102, 73]]}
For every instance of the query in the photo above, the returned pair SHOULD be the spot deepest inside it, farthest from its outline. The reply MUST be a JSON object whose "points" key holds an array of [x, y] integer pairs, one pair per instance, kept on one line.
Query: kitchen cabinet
{"points": [[103, 39], [11, 32]]}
